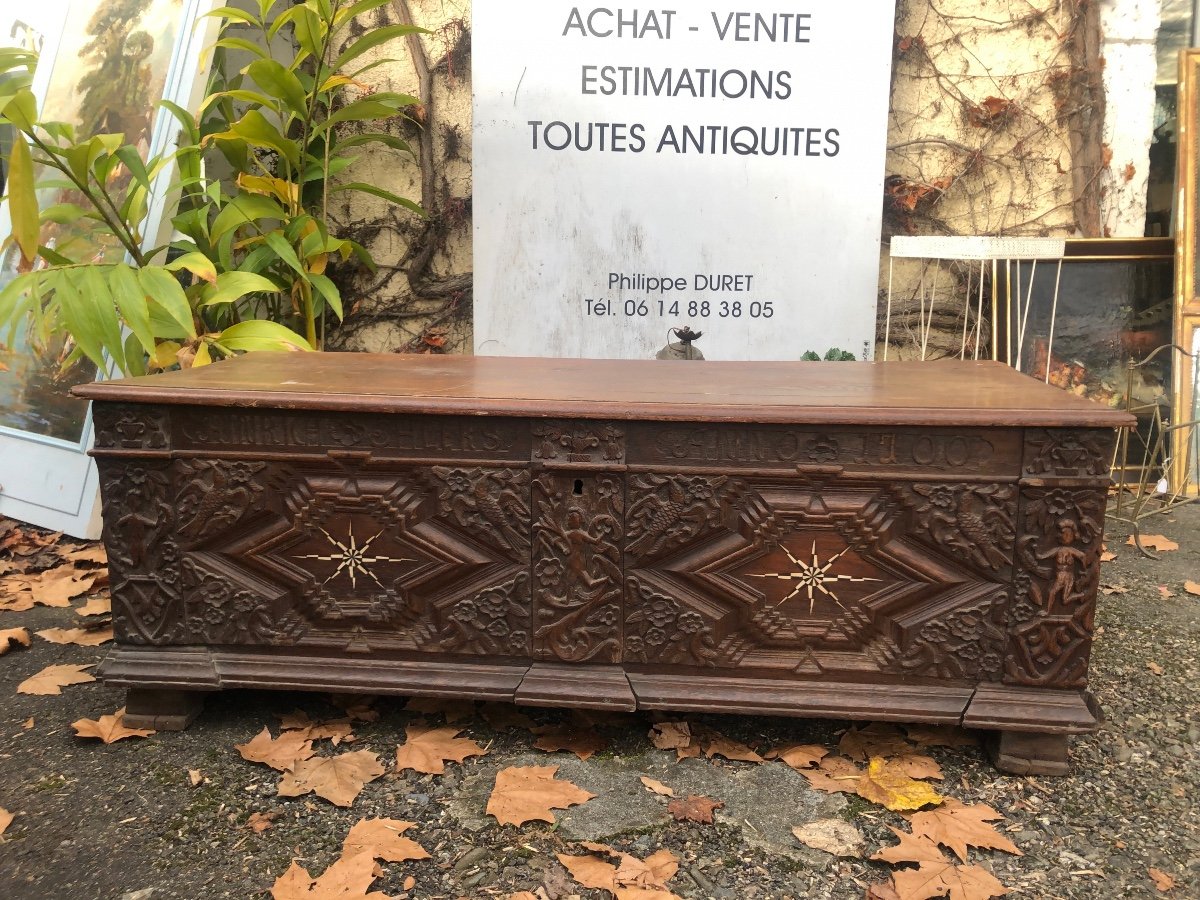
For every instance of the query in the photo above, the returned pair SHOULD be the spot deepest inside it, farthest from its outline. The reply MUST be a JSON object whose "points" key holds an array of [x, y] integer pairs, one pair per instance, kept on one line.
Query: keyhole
{"points": [[578, 486]]}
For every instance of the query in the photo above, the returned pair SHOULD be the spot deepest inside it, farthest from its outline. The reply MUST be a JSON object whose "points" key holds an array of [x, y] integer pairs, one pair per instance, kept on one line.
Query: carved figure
{"points": [[1066, 558]]}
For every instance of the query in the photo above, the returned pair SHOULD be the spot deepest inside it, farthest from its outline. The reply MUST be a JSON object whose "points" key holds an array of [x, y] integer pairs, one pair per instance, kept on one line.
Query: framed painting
{"points": [[103, 66]]}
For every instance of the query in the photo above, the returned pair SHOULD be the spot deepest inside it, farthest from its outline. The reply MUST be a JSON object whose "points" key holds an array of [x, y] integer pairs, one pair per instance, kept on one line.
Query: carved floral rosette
{"points": [[577, 589], [1052, 614], [659, 629], [495, 622]]}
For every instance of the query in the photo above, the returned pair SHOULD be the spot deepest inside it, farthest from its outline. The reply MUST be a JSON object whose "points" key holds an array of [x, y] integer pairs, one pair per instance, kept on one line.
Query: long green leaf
{"points": [[242, 209], [378, 137], [329, 291], [232, 286], [374, 38], [238, 43], [196, 263], [258, 334], [167, 294], [278, 243], [365, 110], [273, 78], [378, 192], [22, 198], [254, 128], [131, 301], [239, 15]]}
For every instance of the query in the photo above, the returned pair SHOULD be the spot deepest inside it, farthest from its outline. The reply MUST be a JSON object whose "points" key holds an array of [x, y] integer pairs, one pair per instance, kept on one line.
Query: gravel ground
{"points": [[124, 822]]}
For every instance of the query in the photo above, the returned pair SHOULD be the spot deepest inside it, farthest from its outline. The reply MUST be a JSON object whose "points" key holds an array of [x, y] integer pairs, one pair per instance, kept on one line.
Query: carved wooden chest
{"points": [[901, 541]]}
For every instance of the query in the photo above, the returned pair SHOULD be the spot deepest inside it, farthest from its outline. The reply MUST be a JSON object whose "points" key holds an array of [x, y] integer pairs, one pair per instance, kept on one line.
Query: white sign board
{"points": [[637, 169]]}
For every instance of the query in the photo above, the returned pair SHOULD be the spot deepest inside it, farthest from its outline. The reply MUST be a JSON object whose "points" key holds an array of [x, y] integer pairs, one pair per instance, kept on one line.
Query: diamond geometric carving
{"points": [[815, 579]]}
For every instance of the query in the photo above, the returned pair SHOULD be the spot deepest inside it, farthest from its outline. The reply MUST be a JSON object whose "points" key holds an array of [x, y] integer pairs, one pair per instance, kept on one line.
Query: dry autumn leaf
{"points": [[347, 879], [1155, 668], [835, 774], [196, 778], [583, 742], [670, 735], [713, 743], [694, 809], [882, 890], [427, 749], [630, 879], [57, 586], [258, 822], [525, 793], [91, 554], [383, 839], [1107, 556], [15, 598], [84, 637], [916, 765], [1154, 542], [281, 753], [359, 707], [657, 786], [958, 826], [1192, 587], [887, 785], [338, 779], [1162, 880], [96, 606], [11, 638], [911, 848], [6, 819], [932, 879], [336, 730], [51, 679], [876, 739], [1165, 592], [833, 836], [799, 756], [108, 728]]}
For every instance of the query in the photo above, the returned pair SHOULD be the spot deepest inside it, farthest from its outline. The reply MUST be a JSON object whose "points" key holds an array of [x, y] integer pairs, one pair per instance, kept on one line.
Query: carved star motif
{"points": [[351, 558], [811, 578]]}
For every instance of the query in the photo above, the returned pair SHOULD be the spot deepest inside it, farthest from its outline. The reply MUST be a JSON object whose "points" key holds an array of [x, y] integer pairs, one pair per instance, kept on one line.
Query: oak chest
{"points": [[894, 541]]}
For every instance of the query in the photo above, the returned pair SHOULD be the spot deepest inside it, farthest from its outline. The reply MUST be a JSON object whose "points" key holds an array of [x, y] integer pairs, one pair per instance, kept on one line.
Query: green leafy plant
{"points": [[833, 354], [247, 269]]}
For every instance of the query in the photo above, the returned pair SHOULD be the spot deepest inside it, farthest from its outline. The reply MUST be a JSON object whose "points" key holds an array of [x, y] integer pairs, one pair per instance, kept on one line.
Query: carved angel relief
{"points": [[577, 571], [1053, 607]]}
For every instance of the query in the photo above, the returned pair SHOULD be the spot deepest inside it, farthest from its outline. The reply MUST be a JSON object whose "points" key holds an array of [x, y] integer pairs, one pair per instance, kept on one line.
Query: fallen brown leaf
{"points": [[1192, 587], [799, 756], [833, 836], [1165, 592], [1155, 668], [876, 739], [108, 728], [525, 793], [91, 554], [51, 679], [57, 586], [1161, 879], [657, 786], [583, 742], [630, 879], [694, 809], [958, 826], [336, 730], [258, 822], [453, 709], [670, 735], [932, 879], [716, 744], [28, 723], [338, 779], [1107, 556], [882, 890], [347, 879], [836, 774], [427, 749], [82, 636], [359, 707], [281, 753], [6, 819], [410, 882], [96, 606], [383, 839], [590, 872], [1154, 542], [15, 598], [911, 848], [196, 777], [886, 784], [916, 765], [13, 637]]}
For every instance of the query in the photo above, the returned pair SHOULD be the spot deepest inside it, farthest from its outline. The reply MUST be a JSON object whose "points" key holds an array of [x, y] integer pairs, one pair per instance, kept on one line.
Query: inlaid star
{"points": [[351, 557], [811, 578]]}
